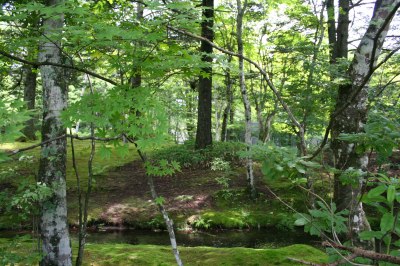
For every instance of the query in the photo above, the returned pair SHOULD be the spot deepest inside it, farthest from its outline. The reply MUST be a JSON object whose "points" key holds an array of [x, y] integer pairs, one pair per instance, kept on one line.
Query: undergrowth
{"points": [[188, 157]]}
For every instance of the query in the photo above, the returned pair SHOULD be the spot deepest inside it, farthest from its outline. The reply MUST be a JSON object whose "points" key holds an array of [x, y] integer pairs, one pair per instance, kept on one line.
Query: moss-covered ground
{"points": [[143, 255]]}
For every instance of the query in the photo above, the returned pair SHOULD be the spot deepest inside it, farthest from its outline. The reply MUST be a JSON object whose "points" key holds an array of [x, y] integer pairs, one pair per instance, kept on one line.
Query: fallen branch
{"points": [[364, 253], [304, 262]]}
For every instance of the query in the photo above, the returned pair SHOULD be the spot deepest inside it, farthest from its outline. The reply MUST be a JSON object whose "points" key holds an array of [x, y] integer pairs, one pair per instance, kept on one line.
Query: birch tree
{"points": [[241, 8], [351, 109], [52, 169]]}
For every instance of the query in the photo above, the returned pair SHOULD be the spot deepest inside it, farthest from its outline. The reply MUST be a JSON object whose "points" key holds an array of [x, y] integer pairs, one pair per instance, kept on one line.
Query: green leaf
{"points": [[104, 152], [387, 221], [391, 193], [368, 235], [159, 200], [376, 191], [301, 221], [397, 243]]}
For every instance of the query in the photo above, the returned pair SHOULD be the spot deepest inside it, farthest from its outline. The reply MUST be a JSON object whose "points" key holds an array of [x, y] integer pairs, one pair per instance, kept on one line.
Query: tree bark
{"points": [[52, 169], [203, 132], [353, 118], [330, 8], [190, 109], [342, 32], [30, 81], [246, 102], [227, 116], [29, 99]]}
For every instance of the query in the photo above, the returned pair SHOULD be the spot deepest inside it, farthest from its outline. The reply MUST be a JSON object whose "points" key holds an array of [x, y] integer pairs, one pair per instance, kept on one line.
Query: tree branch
{"points": [[364, 253], [38, 64]]}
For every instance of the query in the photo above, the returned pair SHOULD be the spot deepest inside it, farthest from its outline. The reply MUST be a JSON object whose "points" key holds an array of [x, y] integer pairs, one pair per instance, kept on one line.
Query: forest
{"points": [[219, 132]]}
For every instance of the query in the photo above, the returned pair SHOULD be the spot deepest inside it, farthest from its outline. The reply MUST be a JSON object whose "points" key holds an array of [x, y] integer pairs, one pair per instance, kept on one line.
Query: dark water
{"points": [[250, 238], [225, 238]]}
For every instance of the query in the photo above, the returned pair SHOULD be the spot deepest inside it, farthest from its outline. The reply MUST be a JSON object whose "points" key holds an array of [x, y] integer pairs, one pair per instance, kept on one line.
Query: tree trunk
{"points": [[29, 98], [353, 118], [168, 222], [265, 126], [52, 168], [342, 32], [30, 80], [136, 77], [229, 102], [245, 98], [203, 132], [330, 8], [190, 105]]}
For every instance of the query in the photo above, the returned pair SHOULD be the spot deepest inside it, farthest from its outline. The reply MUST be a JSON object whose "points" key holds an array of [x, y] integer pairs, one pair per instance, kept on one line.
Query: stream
{"points": [[263, 238]]}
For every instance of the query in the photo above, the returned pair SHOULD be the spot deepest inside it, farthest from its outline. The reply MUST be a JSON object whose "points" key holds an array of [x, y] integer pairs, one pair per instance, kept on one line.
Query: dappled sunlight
{"points": [[117, 213]]}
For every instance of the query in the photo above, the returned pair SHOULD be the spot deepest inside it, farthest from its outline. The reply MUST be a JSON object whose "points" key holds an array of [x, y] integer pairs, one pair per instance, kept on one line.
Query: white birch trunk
{"points": [[52, 170], [245, 98], [353, 118]]}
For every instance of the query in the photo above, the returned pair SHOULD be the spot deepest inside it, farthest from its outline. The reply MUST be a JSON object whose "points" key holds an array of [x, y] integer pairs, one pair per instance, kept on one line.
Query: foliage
{"points": [[384, 197], [187, 156], [9, 254], [381, 135], [220, 165], [322, 220], [22, 203], [162, 168], [202, 223], [283, 162], [12, 118]]}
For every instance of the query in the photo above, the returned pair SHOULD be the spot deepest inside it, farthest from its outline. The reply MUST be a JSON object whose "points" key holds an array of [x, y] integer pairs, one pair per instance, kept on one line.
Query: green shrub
{"points": [[187, 156]]}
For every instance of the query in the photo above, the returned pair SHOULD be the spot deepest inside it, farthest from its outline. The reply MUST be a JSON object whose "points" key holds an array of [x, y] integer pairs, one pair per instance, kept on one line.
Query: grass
{"points": [[124, 254]]}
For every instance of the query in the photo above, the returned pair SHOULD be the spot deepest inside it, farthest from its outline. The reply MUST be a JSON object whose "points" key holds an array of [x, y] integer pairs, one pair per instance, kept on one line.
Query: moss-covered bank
{"points": [[143, 255]]}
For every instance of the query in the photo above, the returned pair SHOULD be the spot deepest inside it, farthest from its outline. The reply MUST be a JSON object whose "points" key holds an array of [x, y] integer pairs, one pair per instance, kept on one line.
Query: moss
{"points": [[19, 171], [124, 254]]}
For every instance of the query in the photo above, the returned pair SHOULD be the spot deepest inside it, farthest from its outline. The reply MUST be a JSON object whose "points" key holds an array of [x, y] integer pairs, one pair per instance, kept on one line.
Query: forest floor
{"points": [[193, 197], [121, 196]]}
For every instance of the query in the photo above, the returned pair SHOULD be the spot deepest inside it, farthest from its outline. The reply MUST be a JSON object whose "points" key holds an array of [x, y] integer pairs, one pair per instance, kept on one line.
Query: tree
{"points": [[203, 132], [351, 113], [52, 168], [241, 9], [29, 83]]}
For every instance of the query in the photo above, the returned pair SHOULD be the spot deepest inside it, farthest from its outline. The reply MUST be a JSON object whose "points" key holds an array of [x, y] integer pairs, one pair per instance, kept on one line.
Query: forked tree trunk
{"points": [[203, 132], [353, 118], [245, 97], [52, 168]]}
